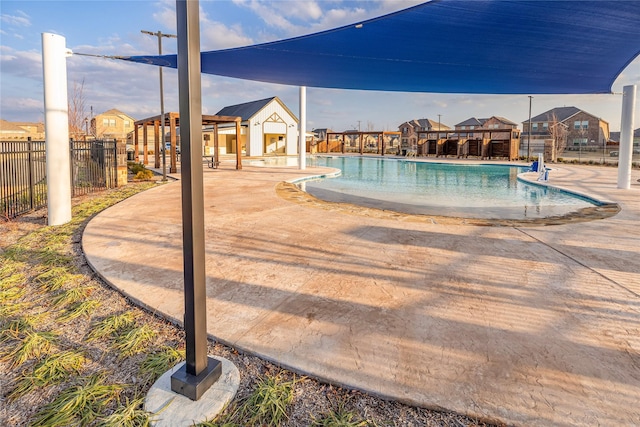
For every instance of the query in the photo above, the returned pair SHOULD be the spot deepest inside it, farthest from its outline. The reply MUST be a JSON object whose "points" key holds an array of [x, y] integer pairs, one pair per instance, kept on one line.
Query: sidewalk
{"points": [[532, 326]]}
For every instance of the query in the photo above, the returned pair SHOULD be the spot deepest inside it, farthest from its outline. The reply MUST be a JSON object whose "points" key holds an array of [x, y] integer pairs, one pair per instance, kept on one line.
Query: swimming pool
{"points": [[461, 190]]}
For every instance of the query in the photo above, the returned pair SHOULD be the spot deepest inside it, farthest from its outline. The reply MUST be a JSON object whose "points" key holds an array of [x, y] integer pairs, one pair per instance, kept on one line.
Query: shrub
{"points": [[143, 175]]}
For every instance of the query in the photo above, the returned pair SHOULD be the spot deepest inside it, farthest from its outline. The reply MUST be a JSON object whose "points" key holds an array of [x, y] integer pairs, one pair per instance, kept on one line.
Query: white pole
{"points": [[626, 137], [56, 128], [302, 128]]}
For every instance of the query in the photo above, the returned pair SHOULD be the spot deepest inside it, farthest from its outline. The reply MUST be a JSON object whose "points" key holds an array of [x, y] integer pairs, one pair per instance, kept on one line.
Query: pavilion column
{"points": [[626, 137], [361, 144], [302, 129], [136, 144], [238, 145], [145, 145], [156, 144], [173, 168], [381, 136]]}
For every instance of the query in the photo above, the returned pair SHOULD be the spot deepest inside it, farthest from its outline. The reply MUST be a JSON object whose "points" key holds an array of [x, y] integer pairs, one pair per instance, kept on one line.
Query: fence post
{"points": [[121, 163], [30, 163]]}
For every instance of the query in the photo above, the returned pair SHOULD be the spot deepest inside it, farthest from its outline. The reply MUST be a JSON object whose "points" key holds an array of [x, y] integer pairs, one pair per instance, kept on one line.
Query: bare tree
{"points": [[558, 132], [77, 111]]}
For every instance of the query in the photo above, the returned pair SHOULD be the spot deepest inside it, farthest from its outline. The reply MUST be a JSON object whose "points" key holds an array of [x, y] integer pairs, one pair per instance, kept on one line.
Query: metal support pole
{"points": [[302, 129], [626, 137], [56, 128], [199, 372]]}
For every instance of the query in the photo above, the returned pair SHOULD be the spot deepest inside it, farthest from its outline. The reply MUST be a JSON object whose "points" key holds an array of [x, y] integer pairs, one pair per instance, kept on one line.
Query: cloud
{"points": [[214, 34], [24, 64], [19, 20], [166, 14], [297, 18]]}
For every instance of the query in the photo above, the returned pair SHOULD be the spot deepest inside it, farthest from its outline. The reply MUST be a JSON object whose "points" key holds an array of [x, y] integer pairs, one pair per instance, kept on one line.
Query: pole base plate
{"points": [[194, 386]]}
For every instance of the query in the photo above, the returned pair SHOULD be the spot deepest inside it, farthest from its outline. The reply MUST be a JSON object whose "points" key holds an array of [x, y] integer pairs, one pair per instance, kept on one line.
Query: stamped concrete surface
{"points": [[524, 325]]}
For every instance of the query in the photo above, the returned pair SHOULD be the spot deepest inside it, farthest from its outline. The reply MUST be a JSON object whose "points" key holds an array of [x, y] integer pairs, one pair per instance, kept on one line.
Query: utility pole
{"points": [[529, 133], [160, 35]]}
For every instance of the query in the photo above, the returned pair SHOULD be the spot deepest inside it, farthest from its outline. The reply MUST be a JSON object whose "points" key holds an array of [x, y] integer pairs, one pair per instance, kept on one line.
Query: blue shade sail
{"points": [[451, 46]]}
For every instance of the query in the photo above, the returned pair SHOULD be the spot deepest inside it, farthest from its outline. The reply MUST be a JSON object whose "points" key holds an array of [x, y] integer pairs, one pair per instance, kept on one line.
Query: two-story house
{"points": [[563, 128], [112, 124], [421, 136], [487, 138]]}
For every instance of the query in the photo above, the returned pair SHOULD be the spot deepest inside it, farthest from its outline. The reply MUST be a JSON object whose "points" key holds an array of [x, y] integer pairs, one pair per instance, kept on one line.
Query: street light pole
{"points": [[160, 35], [529, 133]]}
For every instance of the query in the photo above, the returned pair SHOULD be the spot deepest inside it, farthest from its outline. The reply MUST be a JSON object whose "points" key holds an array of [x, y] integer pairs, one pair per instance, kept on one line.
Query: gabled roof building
{"points": [[268, 127], [564, 128]]}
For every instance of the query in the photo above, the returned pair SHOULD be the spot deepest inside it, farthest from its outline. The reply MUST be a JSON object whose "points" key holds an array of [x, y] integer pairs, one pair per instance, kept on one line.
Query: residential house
{"points": [[487, 138], [421, 136], [112, 124], [563, 128], [614, 139], [268, 127], [21, 131]]}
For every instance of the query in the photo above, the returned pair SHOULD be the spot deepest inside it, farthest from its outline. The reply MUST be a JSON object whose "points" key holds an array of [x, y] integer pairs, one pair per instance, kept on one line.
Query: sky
{"points": [[114, 28]]}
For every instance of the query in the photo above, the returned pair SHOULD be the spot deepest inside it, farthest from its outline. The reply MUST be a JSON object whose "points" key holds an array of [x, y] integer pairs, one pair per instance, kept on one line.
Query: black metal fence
{"points": [[23, 184], [93, 166]]}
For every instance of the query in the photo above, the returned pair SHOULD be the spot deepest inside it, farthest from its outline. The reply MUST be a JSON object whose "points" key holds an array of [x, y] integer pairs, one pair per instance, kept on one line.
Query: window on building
{"points": [[545, 126], [579, 141], [127, 123], [463, 127], [581, 124], [112, 122], [105, 122], [534, 126], [472, 127]]}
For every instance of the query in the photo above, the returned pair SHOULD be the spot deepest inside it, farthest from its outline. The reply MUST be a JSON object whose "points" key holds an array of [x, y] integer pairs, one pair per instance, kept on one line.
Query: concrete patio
{"points": [[528, 325]]}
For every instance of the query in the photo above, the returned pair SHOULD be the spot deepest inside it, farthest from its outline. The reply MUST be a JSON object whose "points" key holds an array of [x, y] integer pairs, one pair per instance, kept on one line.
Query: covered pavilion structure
{"points": [[172, 121], [337, 141]]}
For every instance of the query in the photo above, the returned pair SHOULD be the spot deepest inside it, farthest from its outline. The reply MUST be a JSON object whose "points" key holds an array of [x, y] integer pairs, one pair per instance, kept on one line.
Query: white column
{"points": [[56, 128], [626, 136], [302, 129]]}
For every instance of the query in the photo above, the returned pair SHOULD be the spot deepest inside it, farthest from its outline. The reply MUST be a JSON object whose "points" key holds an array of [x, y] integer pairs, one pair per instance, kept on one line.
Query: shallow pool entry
{"points": [[460, 190]]}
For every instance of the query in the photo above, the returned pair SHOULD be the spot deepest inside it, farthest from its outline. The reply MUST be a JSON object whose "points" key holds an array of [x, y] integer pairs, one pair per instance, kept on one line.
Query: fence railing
{"points": [[23, 184], [93, 166]]}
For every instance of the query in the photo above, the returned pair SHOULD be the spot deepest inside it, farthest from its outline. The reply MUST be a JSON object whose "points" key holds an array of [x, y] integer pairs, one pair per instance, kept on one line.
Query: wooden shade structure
{"points": [[172, 120]]}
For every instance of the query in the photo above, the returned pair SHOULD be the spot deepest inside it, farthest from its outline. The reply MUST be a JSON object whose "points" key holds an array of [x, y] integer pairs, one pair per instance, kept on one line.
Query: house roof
{"points": [[116, 112], [10, 126], [503, 120], [425, 123], [562, 113], [245, 110], [472, 122], [249, 109], [406, 50], [615, 136]]}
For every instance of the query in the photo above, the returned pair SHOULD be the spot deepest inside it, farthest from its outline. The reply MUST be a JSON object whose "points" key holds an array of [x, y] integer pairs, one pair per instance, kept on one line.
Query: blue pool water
{"points": [[476, 191]]}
